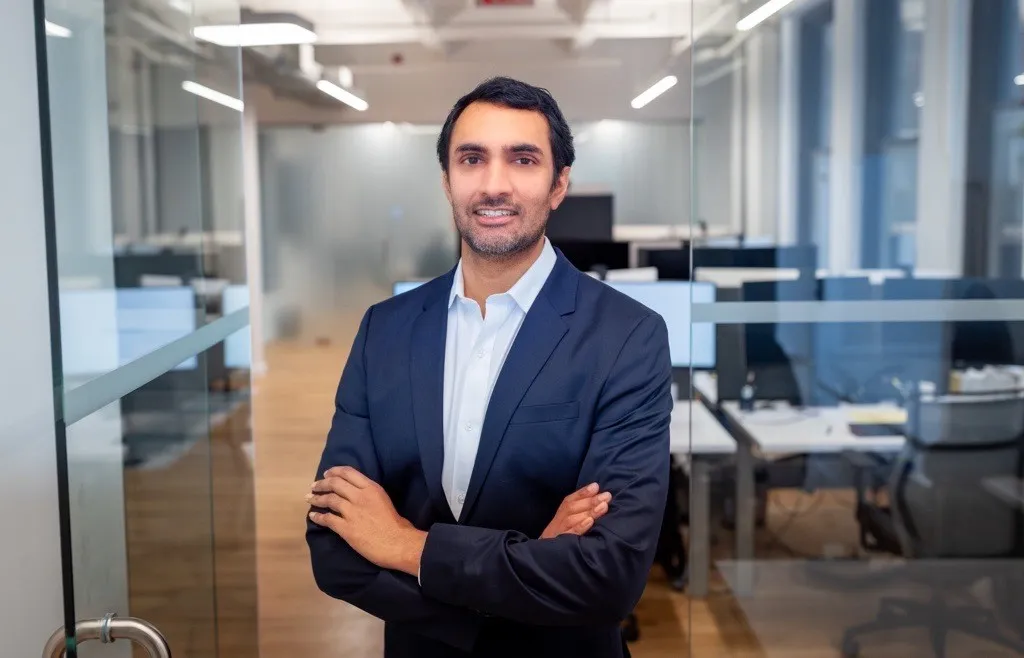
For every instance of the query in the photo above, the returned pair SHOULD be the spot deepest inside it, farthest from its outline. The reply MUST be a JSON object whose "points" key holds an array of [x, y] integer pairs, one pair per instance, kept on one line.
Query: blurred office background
{"points": [[824, 199]]}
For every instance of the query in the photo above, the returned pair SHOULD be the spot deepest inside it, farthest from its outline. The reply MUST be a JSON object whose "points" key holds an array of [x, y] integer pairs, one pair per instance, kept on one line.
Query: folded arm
{"points": [[597, 577], [339, 570]]}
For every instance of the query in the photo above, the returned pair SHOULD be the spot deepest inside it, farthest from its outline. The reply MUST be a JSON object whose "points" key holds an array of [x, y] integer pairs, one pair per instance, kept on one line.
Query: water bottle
{"points": [[748, 393]]}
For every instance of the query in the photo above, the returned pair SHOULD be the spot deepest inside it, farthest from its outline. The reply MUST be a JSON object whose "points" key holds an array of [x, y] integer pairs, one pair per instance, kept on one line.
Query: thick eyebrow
{"points": [[524, 148], [514, 149]]}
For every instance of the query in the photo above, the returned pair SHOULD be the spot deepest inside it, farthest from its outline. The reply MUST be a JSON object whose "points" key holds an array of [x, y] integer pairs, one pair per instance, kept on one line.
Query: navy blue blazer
{"points": [[584, 396]]}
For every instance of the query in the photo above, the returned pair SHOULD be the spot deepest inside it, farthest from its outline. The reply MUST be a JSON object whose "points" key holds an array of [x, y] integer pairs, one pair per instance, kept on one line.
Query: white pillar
{"points": [[253, 234], [789, 131], [942, 147], [737, 142], [761, 110], [847, 128]]}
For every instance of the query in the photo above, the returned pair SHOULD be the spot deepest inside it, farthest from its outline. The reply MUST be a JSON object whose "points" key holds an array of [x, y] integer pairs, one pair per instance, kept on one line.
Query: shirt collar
{"points": [[526, 289]]}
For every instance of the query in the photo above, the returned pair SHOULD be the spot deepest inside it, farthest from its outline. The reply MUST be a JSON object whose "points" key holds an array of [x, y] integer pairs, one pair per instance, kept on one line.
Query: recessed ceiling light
{"points": [[259, 29], [343, 95], [54, 30], [213, 95], [655, 90]]}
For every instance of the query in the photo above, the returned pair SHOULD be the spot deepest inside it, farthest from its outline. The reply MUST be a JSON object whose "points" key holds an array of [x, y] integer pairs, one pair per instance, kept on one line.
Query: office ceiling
{"points": [[412, 58], [440, 23]]}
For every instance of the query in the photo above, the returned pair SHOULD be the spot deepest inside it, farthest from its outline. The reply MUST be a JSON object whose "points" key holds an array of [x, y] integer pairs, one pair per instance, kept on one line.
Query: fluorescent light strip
{"points": [[343, 95], [1019, 80], [761, 14], [255, 34], [54, 30], [657, 89], [212, 95]]}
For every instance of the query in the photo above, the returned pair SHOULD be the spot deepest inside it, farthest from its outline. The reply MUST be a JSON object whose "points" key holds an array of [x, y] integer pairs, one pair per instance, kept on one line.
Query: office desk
{"points": [[781, 430], [698, 438]]}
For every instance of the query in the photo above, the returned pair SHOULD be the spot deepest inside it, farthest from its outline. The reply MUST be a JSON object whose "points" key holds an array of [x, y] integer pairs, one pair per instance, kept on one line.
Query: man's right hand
{"points": [[578, 512]]}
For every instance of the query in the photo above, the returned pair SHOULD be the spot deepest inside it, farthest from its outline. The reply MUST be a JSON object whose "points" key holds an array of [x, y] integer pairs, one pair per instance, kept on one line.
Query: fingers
{"points": [[332, 502], [583, 493], [349, 474], [576, 519], [588, 504], [327, 520], [583, 526], [336, 485]]}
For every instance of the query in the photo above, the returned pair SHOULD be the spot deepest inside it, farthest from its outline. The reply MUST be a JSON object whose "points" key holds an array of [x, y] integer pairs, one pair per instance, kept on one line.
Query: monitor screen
{"points": [[582, 217], [237, 346], [589, 256], [672, 301], [405, 286], [104, 329], [671, 264]]}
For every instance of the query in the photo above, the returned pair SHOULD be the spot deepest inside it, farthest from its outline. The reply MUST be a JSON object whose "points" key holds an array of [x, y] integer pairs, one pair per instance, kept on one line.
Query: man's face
{"points": [[499, 179]]}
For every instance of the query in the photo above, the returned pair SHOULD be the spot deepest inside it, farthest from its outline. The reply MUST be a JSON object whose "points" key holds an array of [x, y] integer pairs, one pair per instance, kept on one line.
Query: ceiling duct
{"points": [[289, 71]]}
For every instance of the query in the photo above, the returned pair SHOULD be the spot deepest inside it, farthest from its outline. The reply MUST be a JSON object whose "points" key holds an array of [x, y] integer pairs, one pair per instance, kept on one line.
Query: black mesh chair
{"points": [[941, 510]]}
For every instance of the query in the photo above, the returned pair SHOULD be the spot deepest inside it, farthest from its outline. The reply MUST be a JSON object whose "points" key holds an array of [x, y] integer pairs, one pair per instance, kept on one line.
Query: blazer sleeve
{"points": [[338, 569], [574, 580]]}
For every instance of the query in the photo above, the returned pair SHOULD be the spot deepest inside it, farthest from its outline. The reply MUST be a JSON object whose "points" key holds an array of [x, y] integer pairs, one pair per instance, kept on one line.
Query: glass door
{"points": [[149, 326]]}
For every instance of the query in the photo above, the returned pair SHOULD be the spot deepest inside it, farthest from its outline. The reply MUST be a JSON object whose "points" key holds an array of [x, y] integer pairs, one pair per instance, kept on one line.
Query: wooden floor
{"points": [[203, 594]]}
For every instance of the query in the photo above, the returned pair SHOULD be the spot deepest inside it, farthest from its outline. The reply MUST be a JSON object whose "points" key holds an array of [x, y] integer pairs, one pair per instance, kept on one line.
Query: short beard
{"points": [[506, 249]]}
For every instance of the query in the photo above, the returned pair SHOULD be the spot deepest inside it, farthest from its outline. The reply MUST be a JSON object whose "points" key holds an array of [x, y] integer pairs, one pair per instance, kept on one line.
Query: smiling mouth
{"points": [[494, 212]]}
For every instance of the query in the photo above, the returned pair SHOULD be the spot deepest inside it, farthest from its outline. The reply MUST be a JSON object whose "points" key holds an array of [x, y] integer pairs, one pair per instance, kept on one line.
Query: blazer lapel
{"points": [[541, 332], [427, 375]]}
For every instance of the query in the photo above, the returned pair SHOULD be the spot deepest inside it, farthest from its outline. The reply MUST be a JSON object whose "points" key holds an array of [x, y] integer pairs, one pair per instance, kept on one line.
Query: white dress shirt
{"points": [[475, 350]]}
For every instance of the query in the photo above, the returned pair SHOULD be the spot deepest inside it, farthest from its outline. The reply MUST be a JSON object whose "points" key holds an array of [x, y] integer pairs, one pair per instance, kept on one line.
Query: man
{"points": [[473, 407]]}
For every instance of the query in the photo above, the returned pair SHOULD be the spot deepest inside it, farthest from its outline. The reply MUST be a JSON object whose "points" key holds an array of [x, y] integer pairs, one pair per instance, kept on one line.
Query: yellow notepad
{"points": [[879, 416]]}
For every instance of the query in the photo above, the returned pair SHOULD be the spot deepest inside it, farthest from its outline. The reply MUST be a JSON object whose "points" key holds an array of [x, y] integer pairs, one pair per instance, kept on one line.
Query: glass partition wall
{"points": [[867, 498], [149, 302]]}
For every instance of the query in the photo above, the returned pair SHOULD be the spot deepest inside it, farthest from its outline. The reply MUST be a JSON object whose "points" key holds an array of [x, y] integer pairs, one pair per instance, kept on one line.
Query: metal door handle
{"points": [[107, 630]]}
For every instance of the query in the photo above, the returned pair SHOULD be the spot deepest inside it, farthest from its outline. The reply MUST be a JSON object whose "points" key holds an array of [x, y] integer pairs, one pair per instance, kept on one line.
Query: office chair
{"points": [[941, 510]]}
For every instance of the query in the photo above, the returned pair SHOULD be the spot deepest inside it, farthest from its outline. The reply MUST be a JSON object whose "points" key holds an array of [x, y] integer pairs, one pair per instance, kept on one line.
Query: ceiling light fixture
{"points": [[761, 14], [343, 95], [54, 30], [213, 95], [655, 90], [259, 29], [1019, 80]]}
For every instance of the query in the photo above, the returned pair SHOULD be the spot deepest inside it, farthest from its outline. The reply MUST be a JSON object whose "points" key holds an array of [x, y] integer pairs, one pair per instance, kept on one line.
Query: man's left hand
{"points": [[360, 512]]}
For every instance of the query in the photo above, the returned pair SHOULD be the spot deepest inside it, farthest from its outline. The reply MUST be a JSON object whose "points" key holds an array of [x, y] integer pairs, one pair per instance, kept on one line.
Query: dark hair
{"points": [[520, 96]]}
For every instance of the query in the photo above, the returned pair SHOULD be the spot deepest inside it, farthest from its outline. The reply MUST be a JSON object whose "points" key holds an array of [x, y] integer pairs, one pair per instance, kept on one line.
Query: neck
{"points": [[484, 276]]}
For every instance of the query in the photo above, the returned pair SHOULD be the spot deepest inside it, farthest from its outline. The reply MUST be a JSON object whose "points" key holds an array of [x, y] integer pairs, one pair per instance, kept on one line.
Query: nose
{"points": [[497, 182]]}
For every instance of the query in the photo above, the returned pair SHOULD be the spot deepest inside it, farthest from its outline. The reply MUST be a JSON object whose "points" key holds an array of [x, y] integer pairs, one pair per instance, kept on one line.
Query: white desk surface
{"points": [[810, 430], [707, 385], [695, 431]]}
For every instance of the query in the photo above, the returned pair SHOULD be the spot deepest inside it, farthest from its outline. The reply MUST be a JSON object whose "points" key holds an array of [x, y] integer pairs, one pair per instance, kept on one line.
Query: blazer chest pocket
{"points": [[543, 413]]}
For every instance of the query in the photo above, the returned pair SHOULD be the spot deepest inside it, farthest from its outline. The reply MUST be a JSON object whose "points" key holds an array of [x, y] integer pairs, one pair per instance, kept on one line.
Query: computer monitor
{"points": [[672, 264], [672, 300], [802, 257], [405, 286], [582, 218], [589, 256], [103, 329], [779, 355], [150, 318], [237, 346]]}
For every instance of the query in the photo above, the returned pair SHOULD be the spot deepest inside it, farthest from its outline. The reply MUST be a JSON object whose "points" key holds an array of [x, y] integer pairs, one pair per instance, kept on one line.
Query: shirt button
{"points": [[469, 427], [480, 354], [461, 498]]}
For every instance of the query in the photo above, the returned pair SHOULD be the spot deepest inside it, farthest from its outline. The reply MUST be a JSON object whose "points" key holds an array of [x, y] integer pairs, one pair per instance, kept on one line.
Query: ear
{"points": [[446, 186], [560, 188]]}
